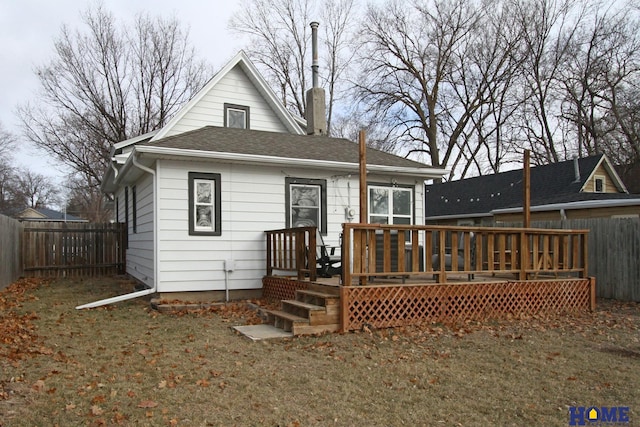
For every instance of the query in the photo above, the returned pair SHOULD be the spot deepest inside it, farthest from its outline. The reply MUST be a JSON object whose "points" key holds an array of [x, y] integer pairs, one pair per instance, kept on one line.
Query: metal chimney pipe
{"points": [[576, 169], [314, 50]]}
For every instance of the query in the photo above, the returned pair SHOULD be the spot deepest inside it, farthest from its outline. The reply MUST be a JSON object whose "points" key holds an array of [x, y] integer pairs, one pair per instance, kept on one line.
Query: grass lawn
{"points": [[130, 365]]}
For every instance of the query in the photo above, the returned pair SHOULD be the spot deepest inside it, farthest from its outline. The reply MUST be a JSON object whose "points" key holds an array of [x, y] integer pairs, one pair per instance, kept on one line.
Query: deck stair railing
{"points": [[374, 250], [288, 252]]}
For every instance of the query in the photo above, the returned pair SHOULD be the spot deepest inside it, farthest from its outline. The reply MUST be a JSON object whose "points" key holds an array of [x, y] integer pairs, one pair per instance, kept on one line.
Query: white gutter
{"points": [[611, 203], [143, 292], [288, 161]]}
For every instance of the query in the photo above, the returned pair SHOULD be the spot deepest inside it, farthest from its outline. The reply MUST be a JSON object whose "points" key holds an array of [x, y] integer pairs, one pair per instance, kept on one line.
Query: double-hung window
{"points": [[306, 201], [390, 205], [204, 204]]}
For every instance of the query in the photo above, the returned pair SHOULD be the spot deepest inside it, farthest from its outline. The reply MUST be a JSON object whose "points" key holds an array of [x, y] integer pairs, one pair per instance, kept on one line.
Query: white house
{"points": [[199, 193]]}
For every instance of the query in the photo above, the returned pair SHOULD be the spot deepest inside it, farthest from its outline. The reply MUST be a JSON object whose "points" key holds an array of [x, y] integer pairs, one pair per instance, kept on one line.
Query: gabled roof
{"points": [[550, 184], [252, 146], [240, 59], [273, 144], [45, 214]]}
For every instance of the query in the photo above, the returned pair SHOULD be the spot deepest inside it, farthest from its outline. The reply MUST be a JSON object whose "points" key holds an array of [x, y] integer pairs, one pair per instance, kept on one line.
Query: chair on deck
{"points": [[329, 264], [459, 253]]}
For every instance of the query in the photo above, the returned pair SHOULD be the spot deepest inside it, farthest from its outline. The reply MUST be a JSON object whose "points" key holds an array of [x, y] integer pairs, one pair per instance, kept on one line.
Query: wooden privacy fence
{"points": [[375, 250], [10, 261], [614, 254], [51, 249]]}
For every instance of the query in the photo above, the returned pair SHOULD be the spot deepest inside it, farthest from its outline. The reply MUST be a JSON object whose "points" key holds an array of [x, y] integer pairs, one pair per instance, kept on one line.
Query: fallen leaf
{"points": [[162, 384], [70, 407], [147, 404], [38, 386], [96, 410]]}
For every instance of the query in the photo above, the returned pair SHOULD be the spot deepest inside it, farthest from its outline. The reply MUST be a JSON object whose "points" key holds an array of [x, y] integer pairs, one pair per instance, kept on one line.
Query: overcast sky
{"points": [[28, 28]]}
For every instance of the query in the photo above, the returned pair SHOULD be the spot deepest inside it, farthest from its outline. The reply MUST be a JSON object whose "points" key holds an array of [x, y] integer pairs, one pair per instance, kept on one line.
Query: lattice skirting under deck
{"points": [[385, 306], [281, 288]]}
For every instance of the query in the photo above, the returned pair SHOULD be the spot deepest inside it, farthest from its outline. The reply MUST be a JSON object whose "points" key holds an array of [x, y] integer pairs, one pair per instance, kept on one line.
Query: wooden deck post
{"points": [[363, 178]]}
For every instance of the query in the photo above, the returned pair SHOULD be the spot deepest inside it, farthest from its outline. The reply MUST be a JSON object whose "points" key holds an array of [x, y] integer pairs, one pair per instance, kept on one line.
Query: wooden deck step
{"points": [[317, 298], [286, 321], [316, 314]]}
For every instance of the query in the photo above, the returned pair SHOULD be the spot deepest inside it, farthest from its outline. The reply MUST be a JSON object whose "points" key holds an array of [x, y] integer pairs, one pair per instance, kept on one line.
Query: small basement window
{"points": [[236, 116]]}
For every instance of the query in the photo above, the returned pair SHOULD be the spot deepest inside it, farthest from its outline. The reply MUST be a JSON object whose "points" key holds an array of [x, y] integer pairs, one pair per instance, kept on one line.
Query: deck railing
{"points": [[373, 250], [288, 251]]}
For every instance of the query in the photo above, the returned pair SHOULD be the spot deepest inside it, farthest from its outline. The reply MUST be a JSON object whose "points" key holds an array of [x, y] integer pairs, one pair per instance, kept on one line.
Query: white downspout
{"points": [[143, 292]]}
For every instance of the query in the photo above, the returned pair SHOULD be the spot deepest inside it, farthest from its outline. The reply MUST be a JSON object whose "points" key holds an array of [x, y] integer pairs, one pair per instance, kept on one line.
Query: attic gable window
{"points": [[204, 204], [599, 184], [236, 116]]}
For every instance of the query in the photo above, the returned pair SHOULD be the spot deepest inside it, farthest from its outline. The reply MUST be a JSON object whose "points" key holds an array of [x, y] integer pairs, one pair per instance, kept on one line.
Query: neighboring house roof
{"points": [[551, 184], [44, 214]]}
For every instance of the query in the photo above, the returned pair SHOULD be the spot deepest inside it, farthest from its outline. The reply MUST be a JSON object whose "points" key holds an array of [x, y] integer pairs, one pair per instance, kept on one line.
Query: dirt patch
{"points": [[129, 364]]}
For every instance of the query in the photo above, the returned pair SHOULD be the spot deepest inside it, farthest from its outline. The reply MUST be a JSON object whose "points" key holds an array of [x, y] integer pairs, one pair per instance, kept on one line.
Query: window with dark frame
{"points": [[236, 116], [126, 206], [306, 203], [599, 185], [204, 204], [134, 210]]}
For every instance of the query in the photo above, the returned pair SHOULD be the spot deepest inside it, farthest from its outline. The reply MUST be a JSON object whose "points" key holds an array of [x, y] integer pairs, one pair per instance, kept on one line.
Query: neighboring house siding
{"points": [[253, 201], [609, 186], [140, 251], [235, 88]]}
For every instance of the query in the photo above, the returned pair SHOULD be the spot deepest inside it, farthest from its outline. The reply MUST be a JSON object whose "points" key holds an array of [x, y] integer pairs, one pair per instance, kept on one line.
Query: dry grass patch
{"points": [[128, 364]]}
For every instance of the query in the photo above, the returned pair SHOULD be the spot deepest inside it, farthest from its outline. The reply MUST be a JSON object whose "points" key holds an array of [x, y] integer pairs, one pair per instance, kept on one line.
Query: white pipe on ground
{"points": [[143, 292]]}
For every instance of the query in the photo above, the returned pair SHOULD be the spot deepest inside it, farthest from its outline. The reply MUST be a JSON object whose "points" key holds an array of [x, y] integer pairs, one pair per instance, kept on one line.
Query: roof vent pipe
{"points": [[576, 169], [314, 51]]}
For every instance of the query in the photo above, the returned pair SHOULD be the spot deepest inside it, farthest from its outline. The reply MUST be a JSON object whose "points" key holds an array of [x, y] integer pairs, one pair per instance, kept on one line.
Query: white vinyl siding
{"points": [[140, 250], [233, 88], [253, 201]]}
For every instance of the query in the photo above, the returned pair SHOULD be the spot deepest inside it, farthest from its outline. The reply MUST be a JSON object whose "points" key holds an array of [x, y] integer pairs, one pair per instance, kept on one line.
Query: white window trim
{"points": [[390, 215]]}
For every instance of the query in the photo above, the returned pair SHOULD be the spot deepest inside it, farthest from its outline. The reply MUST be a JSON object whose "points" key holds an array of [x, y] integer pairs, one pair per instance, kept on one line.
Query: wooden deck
{"points": [[401, 275]]}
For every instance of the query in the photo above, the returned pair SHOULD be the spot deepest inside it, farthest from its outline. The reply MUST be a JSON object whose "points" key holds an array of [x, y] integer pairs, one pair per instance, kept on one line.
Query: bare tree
{"points": [[88, 203], [7, 142], [279, 43], [7, 171], [550, 27], [279, 37], [107, 83], [438, 73], [35, 190]]}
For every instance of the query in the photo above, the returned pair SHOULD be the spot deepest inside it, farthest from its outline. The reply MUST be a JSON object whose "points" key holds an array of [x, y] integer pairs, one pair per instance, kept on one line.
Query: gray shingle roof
{"points": [[242, 141], [550, 184]]}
